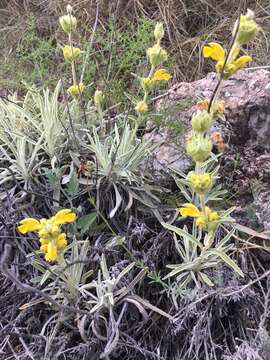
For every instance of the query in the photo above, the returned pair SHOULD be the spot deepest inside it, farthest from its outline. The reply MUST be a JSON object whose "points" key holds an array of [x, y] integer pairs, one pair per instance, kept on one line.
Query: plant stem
{"points": [[72, 61]]}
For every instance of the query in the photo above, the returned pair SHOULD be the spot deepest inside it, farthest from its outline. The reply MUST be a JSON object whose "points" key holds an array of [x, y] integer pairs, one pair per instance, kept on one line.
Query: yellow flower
{"points": [[204, 220], [161, 75], [48, 228], [141, 107], [189, 210], [63, 216], [51, 254], [98, 98], [216, 52], [213, 216], [76, 90], [71, 53], [43, 241], [61, 241], [200, 222], [44, 248], [51, 238], [200, 183], [242, 61], [147, 84], [28, 225]]}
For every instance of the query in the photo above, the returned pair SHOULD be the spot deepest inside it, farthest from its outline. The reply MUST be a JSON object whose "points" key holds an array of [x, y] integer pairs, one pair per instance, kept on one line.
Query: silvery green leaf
{"points": [[228, 261], [206, 279], [182, 233], [118, 202]]}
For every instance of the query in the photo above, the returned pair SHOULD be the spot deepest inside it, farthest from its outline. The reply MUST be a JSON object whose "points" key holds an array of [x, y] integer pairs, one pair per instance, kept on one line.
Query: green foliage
{"points": [[120, 54], [169, 117], [34, 59]]}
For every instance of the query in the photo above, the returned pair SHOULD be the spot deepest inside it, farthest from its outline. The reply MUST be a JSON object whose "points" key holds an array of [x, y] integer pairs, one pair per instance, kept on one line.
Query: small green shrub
{"points": [[36, 55]]}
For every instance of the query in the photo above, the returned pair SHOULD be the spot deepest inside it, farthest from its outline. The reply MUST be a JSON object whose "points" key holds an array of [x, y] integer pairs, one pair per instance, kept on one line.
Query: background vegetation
{"points": [[30, 33]]}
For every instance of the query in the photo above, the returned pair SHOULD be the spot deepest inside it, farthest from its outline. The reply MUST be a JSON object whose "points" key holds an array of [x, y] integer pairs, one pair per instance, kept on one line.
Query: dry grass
{"points": [[189, 24]]}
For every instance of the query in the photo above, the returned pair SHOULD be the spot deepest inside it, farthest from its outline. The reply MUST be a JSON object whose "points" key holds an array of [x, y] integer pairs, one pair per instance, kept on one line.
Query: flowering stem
{"points": [[198, 170], [215, 94], [72, 61], [202, 202]]}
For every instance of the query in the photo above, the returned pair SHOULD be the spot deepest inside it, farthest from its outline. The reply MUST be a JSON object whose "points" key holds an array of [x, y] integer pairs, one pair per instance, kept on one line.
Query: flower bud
{"points": [[76, 90], [69, 9], [248, 28], [199, 147], [199, 183], [201, 121], [68, 23], [147, 84], [71, 53], [159, 31], [156, 55], [98, 98], [141, 107]]}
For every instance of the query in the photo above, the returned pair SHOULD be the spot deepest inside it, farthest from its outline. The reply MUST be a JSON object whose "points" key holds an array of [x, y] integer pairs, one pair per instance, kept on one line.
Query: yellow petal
{"points": [[71, 53], [141, 107], [219, 66], [28, 224], [190, 210], [161, 74], [51, 252], [43, 241], [63, 216], [213, 216], [61, 241], [207, 211], [44, 248], [214, 50], [75, 90], [200, 222], [242, 61]]}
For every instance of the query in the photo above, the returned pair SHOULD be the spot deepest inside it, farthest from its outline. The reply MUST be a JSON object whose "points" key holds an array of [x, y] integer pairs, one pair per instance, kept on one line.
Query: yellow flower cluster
{"points": [[200, 183], [204, 220], [52, 239], [76, 90], [216, 52], [71, 54], [148, 83], [229, 63], [156, 55]]}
